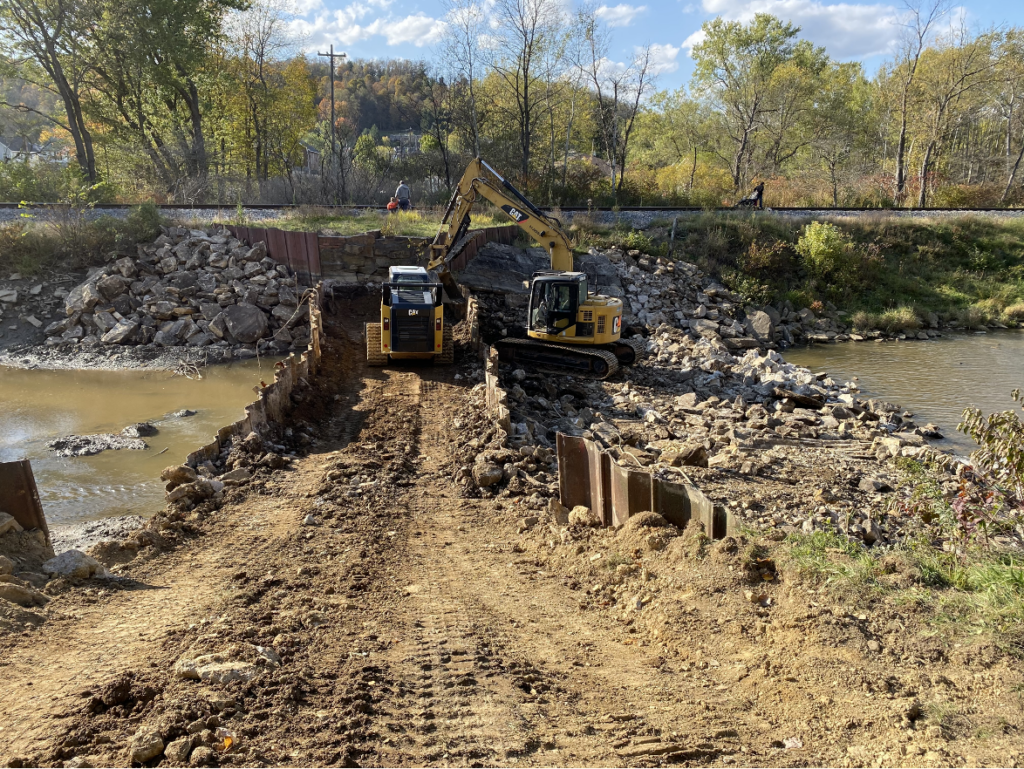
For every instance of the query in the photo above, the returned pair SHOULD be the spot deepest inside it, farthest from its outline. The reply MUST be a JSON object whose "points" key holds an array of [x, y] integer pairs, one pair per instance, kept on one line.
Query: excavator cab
{"points": [[555, 300]]}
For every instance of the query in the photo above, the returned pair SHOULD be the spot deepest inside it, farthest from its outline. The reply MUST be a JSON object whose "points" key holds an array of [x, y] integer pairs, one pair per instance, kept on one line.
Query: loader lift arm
{"points": [[482, 181]]}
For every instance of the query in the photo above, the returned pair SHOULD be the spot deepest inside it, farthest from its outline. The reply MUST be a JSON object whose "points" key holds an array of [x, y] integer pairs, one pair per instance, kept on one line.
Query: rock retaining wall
{"points": [[274, 400]]}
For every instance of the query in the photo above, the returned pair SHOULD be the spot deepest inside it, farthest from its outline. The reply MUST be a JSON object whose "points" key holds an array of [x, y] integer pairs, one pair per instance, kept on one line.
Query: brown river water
{"points": [[37, 406], [936, 380]]}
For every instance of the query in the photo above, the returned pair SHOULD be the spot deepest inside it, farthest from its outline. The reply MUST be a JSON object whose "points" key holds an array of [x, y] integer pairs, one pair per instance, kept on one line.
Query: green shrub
{"points": [[825, 249], [972, 317], [863, 321], [1015, 312], [898, 319], [143, 223]]}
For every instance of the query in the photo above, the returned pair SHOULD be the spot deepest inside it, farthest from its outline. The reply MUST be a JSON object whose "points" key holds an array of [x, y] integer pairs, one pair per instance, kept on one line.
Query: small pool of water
{"points": [[936, 380], [37, 406]]}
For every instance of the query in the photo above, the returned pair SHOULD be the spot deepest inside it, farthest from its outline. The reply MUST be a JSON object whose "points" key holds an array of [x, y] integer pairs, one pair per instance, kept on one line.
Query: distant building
{"points": [[51, 151]]}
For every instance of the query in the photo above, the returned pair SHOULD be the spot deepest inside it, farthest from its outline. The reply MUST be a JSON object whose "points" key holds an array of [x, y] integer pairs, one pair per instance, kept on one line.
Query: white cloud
{"points": [[420, 30], [621, 15], [663, 58], [343, 26], [847, 30]]}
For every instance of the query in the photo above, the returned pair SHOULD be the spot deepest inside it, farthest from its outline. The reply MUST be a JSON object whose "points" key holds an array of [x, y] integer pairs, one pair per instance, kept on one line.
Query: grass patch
{"points": [[976, 593], [422, 223], [893, 270], [66, 240], [830, 558]]}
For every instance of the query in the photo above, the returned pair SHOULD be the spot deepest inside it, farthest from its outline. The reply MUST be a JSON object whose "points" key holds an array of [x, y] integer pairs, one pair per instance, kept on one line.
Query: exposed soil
{"points": [[416, 627]]}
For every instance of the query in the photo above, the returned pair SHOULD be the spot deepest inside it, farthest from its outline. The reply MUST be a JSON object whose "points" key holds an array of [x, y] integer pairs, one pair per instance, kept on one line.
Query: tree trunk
{"points": [[473, 118], [199, 159], [1013, 172], [693, 170], [922, 197], [901, 150], [76, 121]]}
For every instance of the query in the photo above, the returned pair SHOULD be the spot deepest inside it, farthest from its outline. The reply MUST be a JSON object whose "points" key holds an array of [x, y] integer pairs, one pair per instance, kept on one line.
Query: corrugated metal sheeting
{"points": [[589, 476], [19, 496]]}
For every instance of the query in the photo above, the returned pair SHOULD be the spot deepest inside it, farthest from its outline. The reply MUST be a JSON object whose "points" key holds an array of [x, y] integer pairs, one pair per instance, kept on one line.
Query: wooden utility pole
{"points": [[334, 158]]}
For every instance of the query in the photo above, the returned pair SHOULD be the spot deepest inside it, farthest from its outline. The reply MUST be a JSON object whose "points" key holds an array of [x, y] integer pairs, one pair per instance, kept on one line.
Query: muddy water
{"points": [[936, 380], [37, 406]]}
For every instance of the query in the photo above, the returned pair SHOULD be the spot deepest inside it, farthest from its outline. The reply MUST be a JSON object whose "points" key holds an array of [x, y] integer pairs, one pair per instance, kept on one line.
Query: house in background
{"points": [[51, 151]]}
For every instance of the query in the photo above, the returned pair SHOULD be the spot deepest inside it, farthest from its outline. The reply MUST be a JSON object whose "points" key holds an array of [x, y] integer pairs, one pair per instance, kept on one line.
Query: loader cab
{"points": [[555, 300], [412, 314]]}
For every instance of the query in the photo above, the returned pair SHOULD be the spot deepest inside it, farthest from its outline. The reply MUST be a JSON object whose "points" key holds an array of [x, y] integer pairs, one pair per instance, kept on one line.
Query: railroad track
{"points": [[230, 207]]}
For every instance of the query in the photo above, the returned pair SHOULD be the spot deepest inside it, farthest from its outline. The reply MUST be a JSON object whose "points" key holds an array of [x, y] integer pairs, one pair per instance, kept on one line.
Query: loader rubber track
{"points": [[558, 358], [374, 356]]}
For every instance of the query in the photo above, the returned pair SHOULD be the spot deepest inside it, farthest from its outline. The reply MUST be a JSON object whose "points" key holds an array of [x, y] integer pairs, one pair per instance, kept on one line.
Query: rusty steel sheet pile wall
{"points": [[589, 476], [274, 401], [19, 496], [349, 259], [497, 396]]}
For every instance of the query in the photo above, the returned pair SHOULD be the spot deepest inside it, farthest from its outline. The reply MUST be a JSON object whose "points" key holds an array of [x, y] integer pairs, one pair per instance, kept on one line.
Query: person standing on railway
{"points": [[404, 196]]}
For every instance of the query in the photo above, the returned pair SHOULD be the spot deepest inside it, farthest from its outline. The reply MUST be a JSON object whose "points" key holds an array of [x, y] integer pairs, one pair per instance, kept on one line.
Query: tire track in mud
{"points": [[474, 670], [86, 644]]}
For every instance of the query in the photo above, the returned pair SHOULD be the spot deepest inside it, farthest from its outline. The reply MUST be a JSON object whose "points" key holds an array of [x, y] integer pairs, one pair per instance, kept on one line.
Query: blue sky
{"points": [[863, 30]]}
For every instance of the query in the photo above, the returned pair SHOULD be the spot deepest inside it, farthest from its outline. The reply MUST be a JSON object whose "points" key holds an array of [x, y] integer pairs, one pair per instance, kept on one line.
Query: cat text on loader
{"points": [[412, 323], [569, 330]]}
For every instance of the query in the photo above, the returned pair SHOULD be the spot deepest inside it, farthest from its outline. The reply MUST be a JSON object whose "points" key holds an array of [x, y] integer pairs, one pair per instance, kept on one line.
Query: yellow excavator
{"points": [[569, 330]]}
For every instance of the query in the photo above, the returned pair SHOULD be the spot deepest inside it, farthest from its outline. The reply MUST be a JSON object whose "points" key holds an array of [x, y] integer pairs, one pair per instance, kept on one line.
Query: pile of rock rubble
{"points": [[194, 288], [661, 291], [712, 402]]}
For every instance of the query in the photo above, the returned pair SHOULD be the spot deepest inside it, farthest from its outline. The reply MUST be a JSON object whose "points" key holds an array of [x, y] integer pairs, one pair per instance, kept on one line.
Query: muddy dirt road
{"points": [[371, 616]]}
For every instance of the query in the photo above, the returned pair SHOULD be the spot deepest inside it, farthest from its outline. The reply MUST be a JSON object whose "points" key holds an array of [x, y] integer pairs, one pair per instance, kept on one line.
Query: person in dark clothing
{"points": [[755, 199], [404, 196]]}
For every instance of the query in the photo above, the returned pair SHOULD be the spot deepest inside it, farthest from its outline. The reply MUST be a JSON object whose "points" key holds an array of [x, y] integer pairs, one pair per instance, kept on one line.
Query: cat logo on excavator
{"points": [[515, 213]]}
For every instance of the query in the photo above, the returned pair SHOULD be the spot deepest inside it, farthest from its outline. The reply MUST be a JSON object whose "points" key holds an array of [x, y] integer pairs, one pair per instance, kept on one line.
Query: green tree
{"points": [[52, 35], [735, 66]]}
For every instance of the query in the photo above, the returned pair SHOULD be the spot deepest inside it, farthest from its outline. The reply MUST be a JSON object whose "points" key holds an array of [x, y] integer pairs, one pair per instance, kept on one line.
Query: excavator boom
{"points": [[482, 181]]}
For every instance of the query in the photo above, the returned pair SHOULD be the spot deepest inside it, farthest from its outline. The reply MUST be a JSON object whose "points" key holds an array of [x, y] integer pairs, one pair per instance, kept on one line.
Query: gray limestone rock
{"points": [[246, 322]]}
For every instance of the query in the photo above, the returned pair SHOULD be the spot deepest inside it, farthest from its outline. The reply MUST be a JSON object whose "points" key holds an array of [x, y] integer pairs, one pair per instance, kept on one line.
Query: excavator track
{"points": [[558, 358], [630, 351]]}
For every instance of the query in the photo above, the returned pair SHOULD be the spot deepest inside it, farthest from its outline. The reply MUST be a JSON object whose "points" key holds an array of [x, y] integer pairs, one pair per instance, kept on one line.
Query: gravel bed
{"points": [[197, 216], [643, 219]]}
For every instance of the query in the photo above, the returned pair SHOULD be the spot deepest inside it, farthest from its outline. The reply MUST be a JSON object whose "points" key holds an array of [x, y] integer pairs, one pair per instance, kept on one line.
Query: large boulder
{"points": [[760, 326], [8, 524], [486, 474], [82, 298], [74, 563], [122, 333], [23, 596], [147, 744], [246, 322], [111, 286]]}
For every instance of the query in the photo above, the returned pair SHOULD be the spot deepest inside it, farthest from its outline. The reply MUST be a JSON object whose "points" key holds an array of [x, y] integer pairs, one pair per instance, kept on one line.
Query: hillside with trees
{"points": [[216, 101]]}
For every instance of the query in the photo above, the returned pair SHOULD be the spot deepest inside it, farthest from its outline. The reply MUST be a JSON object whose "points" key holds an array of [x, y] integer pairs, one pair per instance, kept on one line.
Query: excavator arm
{"points": [[482, 181]]}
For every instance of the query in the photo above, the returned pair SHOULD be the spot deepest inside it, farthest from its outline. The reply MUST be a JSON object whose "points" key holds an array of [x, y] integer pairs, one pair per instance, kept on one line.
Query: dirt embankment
{"points": [[353, 609]]}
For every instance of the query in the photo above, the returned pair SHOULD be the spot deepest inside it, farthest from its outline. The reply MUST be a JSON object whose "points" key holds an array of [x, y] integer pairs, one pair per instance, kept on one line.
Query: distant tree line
{"points": [[215, 101]]}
